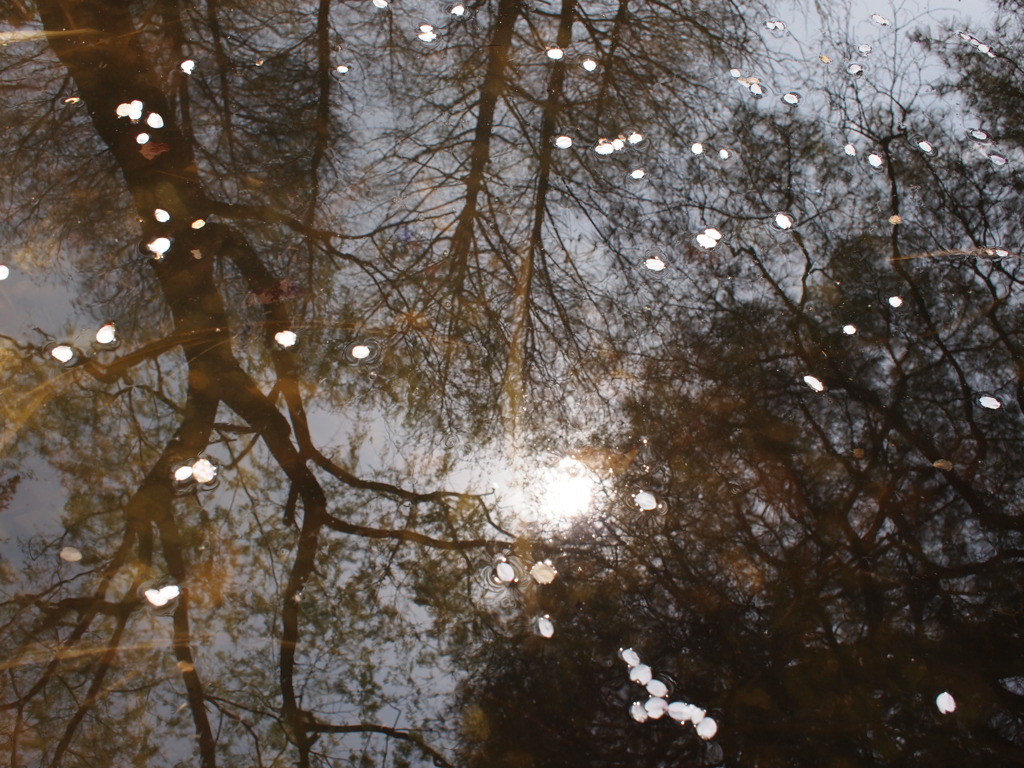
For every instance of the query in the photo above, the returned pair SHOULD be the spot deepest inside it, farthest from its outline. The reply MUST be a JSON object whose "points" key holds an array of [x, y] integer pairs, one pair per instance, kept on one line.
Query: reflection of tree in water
{"points": [[822, 565]]}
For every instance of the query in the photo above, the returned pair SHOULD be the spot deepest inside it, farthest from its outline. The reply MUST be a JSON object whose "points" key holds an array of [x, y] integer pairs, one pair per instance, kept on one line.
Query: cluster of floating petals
{"points": [[709, 238], [107, 334], [188, 66], [654, 263], [543, 572], [427, 32], [130, 109], [202, 471], [658, 705], [286, 339], [70, 554], [555, 54], [977, 44], [162, 596], [775, 25], [992, 403], [945, 703], [814, 383], [782, 220]]}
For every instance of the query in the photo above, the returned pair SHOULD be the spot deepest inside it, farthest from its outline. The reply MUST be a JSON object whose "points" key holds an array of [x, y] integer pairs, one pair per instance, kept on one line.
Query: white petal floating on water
{"points": [[543, 573], [631, 657], [286, 338], [655, 707], [161, 215], [360, 351], [555, 54], [457, 10], [618, 144], [697, 148], [987, 401], [563, 142], [879, 19], [154, 120], [706, 241], [203, 471], [637, 173], [545, 626], [783, 220], [855, 69], [107, 334], [849, 330], [895, 301], [850, 150], [875, 160], [183, 474], [70, 555], [637, 712], [505, 572], [162, 596], [792, 98], [589, 64], [427, 33], [654, 264], [707, 728], [142, 138], [198, 224], [380, 3], [946, 703], [635, 137], [135, 110], [159, 246], [62, 353], [864, 49], [679, 710], [724, 154], [188, 66], [646, 501], [657, 688], [814, 383], [697, 714], [641, 674], [604, 147], [5, 271]]}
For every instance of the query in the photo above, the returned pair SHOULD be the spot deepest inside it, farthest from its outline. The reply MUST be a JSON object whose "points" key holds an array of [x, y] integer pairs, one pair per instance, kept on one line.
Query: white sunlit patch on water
{"points": [[992, 403], [286, 339], [945, 703], [566, 490]]}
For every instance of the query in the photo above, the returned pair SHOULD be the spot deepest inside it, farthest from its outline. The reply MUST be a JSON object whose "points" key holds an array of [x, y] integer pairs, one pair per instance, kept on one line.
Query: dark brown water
{"points": [[511, 384]]}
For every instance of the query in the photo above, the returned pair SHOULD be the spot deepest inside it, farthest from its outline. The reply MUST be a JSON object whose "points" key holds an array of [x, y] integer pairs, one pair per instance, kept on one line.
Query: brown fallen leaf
{"points": [[152, 149], [944, 464]]}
